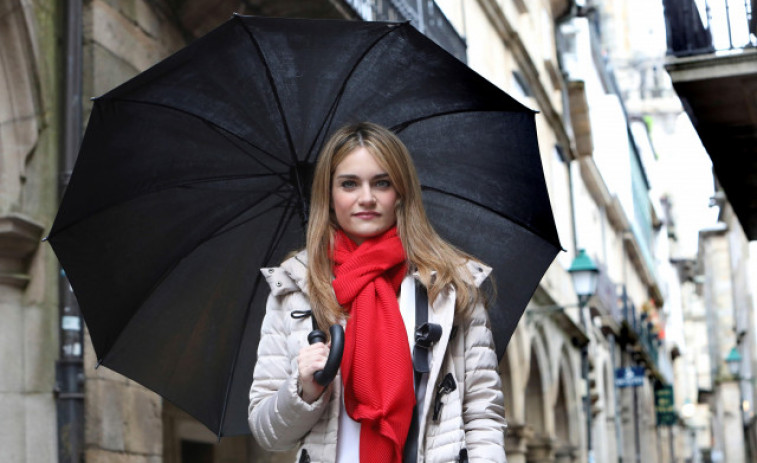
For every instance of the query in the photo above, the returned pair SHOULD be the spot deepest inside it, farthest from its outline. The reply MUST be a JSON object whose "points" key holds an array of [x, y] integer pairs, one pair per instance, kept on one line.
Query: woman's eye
{"points": [[383, 184], [349, 184]]}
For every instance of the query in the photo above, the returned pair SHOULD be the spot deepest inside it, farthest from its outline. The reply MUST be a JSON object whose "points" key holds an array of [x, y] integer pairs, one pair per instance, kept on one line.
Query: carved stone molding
{"points": [[19, 238], [566, 454], [517, 437], [541, 450], [19, 97]]}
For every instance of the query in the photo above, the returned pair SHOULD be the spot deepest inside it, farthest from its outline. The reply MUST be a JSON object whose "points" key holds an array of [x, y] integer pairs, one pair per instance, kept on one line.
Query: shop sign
{"points": [[629, 377], [665, 406]]}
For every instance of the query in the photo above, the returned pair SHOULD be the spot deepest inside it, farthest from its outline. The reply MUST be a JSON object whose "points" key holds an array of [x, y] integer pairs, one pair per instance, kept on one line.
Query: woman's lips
{"points": [[366, 215]]}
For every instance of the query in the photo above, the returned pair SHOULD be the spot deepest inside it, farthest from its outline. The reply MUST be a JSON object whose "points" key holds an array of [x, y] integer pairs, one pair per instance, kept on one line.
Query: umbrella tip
{"points": [[99, 362], [46, 238]]}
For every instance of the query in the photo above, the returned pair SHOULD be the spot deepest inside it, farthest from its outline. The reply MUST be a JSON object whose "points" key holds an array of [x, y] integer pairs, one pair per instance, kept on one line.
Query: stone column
{"points": [[27, 408], [541, 450], [566, 454], [516, 442], [728, 399]]}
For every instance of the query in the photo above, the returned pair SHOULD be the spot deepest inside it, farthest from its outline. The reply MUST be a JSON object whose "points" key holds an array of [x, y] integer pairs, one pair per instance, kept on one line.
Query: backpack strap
{"points": [[426, 334]]}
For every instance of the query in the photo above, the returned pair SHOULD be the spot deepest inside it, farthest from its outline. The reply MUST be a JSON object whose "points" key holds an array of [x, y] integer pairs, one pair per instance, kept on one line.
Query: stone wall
{"points": [[28, 188], [123, 420]]}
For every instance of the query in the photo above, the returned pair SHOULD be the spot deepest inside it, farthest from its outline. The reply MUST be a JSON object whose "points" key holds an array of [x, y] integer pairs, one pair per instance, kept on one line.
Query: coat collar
{"points": [[291, 276]]}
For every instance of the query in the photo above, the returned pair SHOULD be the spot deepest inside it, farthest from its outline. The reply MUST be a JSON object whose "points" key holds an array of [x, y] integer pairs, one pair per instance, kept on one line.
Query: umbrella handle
{"points": [[325, 376]]}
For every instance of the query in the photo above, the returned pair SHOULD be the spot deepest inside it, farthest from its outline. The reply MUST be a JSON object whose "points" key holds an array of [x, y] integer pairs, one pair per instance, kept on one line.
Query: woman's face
{"points": [[362, 196]]}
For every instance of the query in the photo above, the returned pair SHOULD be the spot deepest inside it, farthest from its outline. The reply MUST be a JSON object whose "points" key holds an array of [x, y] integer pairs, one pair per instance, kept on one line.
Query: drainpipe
{"points": [[582, 307], [636, 424], [616, 401], [628, 312], [69, 369], [574, 12]]}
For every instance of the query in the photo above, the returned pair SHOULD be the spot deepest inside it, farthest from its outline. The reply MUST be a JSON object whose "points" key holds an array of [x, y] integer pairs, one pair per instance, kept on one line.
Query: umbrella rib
{"points": [[233, 139], [205, 121], [329, 117], [282, 225], [165, 187], [277, 98], [299, 182], [398, 128], [222, 230], [515, 221], [170, 269]]}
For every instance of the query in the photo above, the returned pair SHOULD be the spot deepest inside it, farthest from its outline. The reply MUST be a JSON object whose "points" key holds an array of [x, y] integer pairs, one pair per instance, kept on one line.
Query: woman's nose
{"points": [[366, 195]]}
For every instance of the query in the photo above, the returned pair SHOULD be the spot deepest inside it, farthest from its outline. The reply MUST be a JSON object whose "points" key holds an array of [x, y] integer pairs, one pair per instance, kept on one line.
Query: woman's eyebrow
{"points": [[353, 176]]}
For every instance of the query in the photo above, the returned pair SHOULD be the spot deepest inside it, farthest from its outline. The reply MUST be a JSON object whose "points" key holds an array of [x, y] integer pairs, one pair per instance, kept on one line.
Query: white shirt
{"points": [[348, 437]]}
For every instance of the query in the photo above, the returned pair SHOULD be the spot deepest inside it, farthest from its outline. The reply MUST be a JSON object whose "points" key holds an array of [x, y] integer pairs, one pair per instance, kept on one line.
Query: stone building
{"points": [[712, 63], [559, 369], [29, 139]]}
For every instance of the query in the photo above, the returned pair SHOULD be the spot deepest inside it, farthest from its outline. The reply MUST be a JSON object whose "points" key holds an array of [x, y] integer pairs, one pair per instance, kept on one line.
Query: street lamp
{"points": [[733, 360], [585, 275]]}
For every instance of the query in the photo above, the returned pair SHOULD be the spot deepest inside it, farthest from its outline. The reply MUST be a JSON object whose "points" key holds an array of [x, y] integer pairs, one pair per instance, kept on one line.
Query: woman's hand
{"points": [[311, 358]]}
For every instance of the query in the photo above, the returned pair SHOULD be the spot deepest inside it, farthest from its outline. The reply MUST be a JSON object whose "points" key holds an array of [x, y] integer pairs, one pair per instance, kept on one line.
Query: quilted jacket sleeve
{"points": [[277, 416], [483, 400]]}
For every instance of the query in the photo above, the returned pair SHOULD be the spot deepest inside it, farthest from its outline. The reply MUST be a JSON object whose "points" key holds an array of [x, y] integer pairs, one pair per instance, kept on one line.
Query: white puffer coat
{"points": [[471, 419]]}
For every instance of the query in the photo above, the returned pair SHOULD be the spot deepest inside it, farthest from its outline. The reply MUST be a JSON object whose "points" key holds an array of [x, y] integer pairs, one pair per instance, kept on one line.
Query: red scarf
{"points": [[377, 365]]}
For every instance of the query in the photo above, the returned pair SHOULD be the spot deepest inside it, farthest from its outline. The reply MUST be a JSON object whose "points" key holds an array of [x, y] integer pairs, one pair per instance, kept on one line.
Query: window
{"points": [[196, 452]]}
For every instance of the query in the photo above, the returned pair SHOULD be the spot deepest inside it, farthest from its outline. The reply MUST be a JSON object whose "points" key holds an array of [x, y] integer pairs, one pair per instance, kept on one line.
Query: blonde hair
{"points": [[439, 264]]}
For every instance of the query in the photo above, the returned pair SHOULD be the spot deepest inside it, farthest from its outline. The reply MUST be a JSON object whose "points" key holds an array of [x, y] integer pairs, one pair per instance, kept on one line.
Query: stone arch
{"points": [[599, 400], [513, 372], [567, 415], [609, 389], [537, 416], [536, 386], [19, 98], [609, 447], [647, 416], [506, 376]]}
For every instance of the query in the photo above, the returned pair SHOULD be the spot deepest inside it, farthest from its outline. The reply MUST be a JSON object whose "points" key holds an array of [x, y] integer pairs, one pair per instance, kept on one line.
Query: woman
{"points": [[368, 243]]}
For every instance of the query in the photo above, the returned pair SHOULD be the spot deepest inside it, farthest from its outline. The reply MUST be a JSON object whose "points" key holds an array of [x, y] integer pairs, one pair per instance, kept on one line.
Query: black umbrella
{"points": [[193, 175]]}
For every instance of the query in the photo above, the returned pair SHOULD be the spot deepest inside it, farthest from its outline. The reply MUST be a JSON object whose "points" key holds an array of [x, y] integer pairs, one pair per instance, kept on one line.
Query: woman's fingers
{"points": [[311, 358]]}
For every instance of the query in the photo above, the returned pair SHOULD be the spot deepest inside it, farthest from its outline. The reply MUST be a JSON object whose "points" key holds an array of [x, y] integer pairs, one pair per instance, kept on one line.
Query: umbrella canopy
{"points": [[193, 175]]}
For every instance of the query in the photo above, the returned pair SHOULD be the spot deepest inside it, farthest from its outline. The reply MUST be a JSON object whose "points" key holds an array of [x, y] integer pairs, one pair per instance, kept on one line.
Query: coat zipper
{"points": [[445, 387], [304, 457]]}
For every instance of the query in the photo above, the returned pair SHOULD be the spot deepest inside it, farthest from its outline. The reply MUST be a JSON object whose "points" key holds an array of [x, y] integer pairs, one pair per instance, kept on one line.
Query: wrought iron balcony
{"points": [[642, 339], [718, 25], [712, 61], [426, 16], [196, 17]]}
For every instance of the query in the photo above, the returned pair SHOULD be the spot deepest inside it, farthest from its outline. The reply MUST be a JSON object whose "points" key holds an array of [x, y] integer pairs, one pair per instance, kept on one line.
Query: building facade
{"points": [[712, 63], [563, 402]]}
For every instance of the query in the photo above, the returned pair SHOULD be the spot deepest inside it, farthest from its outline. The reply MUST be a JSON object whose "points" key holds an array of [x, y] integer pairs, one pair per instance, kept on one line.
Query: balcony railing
{"points": [[425, 15], [705, 26], [640, 330], [649, 339]]}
